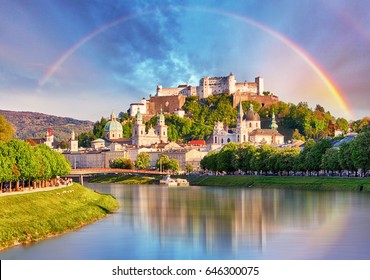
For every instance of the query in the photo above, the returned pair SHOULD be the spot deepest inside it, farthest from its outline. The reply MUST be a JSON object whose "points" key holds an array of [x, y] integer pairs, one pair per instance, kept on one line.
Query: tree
{"points": [[173, 165], [225, 157], [26, 165], [189, 167], [314, 156], [98, 129], [286, 159], [142, 160], [330, 160], [243, 157], [345, 157], [122, 163], [162, 162], [85, 139], [6, 130], [342, 124], [361, 151]]}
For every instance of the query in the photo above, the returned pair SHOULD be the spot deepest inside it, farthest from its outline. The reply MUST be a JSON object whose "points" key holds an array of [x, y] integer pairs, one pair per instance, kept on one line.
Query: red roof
{"points": [[197, 142]]}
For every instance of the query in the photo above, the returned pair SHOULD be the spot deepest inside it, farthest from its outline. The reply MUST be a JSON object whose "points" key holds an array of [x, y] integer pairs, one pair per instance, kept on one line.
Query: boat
{"points": [[168, 181]]}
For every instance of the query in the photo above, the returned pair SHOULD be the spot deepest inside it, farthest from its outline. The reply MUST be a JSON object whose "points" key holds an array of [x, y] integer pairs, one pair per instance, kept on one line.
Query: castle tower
{"points": [[260, 85], [138, 130], [161, 128], [73, 143], [231, 83]]}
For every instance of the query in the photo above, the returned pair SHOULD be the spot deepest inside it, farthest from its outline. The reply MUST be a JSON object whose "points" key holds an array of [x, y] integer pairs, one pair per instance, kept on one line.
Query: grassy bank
{"points": [[125, 179], [309, 183], [30, 217]]}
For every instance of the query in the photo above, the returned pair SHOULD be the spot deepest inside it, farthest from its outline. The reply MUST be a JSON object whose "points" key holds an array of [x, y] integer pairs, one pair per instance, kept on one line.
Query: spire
{"points": [[240, 111], [113, 116], [139, 118], [251, 107], [273, 122], [73, 137]]}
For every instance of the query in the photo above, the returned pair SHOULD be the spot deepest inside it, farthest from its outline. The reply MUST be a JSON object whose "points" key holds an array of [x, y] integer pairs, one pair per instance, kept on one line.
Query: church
{"points": [[154, 136], [248, 129]]}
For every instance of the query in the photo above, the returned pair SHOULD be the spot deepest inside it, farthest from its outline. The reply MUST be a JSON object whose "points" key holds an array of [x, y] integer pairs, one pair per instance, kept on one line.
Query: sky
{"points": [[85, 59]]}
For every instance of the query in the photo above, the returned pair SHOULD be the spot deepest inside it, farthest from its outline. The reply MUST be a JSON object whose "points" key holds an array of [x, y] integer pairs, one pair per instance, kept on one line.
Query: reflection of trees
{"points": [[224, 219]]}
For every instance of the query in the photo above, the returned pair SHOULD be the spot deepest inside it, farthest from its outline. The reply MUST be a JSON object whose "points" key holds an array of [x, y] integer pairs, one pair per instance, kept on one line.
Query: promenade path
{"points": [[25, 191]]}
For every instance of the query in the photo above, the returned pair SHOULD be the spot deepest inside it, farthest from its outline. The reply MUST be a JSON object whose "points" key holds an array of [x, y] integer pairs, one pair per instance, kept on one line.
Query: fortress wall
{"points": [[248, 96], [169, 104]]}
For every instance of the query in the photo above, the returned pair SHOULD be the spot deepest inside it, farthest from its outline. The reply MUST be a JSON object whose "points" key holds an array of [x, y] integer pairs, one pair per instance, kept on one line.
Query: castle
{"points": [[171, 100]]}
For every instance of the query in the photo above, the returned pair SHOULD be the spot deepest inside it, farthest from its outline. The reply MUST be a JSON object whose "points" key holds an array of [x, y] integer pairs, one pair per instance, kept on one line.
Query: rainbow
{"points": [[334, 89]]}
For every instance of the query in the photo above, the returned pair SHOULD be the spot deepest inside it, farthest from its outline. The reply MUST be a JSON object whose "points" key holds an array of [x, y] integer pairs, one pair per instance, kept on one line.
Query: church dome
{"points": [[251, 115], [113, 124]]}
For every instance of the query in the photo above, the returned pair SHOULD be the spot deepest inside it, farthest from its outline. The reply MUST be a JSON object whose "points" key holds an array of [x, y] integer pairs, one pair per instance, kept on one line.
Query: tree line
{"points": [[24, 165], [315, 157]]}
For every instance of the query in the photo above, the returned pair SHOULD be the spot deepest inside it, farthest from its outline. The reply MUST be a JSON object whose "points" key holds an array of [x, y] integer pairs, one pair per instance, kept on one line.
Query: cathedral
{"points": [[142, 138], [248, 129]]}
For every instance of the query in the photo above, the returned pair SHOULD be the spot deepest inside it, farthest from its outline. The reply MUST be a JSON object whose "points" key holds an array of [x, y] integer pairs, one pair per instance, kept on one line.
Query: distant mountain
{"points": [[34, 125]]}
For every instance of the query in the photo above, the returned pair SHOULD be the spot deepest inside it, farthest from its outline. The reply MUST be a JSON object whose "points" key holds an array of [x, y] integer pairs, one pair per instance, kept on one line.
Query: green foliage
{"points": [[127, 129], [98, 129], [330, 160], [173, 165], [122, 163], [163, 162], [360, 148], [189, 167], [85, 139], [142, 160], [6, 130], [20, 161], [362, 125]]}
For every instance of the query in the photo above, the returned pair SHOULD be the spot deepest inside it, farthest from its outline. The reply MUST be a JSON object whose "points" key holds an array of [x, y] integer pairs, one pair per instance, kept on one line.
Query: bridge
{"points": [[80, 173]]}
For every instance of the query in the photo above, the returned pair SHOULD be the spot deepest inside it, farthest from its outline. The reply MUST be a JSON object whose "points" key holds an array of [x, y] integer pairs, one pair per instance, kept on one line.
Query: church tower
{"points": [[273, 125], [73, 143], [138, 130], [241, 128], [161, 128]]}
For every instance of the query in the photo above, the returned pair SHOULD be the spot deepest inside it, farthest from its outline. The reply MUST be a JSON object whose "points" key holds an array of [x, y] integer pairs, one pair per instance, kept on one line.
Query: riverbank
{"points": [[291, 182], [30, 217], [306, 183]]}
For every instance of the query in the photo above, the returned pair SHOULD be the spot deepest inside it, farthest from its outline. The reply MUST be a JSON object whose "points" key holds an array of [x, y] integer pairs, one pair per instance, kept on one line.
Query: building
{"points": [[142, 138], [248, 129], [170, 100], [73, 143]]}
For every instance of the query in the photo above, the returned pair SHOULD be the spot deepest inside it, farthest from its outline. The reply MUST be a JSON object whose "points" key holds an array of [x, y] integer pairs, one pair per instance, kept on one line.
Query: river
{"points": [[156, 222]]}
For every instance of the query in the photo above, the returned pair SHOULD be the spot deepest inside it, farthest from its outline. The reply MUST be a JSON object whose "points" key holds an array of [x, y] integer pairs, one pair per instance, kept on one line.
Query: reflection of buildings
{"points": [[228, 221]]}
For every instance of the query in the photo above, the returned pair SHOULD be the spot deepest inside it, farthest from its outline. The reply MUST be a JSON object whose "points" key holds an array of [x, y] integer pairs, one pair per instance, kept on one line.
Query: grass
{"points": [[309, 183], [124, 179], [30, 217]]}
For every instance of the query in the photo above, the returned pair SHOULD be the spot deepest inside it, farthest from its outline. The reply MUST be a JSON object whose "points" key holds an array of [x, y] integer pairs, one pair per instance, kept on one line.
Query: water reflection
{"points": [[157, 222], [228, 221]]}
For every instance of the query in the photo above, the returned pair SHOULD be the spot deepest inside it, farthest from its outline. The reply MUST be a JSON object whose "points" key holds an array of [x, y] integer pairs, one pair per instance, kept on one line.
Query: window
{"points": [[250, 124], [215, 140], [222, 141], [228, 140], [141, 132], [238, 138], [256, 124]]}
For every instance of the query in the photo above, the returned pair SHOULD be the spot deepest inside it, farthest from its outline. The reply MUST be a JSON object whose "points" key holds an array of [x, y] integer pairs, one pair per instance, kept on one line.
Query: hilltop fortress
{"points": [[171, 100]]}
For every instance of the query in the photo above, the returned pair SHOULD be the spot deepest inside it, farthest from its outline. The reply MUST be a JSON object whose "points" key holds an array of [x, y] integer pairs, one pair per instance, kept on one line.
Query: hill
{"points": [[32, 124]]}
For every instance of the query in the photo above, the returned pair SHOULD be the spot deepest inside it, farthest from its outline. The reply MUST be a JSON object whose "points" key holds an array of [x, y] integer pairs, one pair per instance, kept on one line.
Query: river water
{"points": [[156, 222]]}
